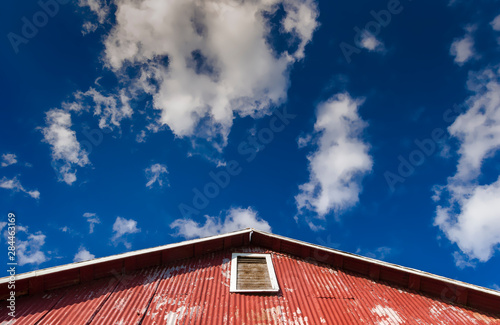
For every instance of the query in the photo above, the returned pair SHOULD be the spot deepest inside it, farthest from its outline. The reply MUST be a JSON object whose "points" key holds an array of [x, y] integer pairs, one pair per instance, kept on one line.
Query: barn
{"points": [[244, 277]]}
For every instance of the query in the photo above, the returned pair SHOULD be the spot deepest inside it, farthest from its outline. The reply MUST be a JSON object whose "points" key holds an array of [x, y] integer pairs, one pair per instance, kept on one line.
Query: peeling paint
{"points": [[389, 315], [440, 312], [171, 317], [193, 291], [120, 304], [226, 268]]}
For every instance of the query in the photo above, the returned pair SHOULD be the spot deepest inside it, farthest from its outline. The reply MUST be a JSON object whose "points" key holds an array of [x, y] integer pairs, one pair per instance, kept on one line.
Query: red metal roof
{"points": [[187, 284]]}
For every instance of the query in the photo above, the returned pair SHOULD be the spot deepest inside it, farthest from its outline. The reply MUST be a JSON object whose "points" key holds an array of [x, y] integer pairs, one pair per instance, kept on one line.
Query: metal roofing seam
{"points": [[133, 291], [79, 303]]}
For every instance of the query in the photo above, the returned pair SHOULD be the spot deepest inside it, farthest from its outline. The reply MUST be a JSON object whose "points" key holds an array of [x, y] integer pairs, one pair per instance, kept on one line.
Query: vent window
{"points": [[252, 273]]}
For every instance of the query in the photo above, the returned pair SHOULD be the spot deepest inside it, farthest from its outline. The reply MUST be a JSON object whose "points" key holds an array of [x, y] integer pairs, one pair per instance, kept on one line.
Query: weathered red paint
{"points": [[189, 284], [196, 291]]}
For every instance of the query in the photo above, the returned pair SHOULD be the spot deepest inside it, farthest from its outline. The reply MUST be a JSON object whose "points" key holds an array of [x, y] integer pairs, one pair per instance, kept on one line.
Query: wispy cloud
{"points": [[123, 227], [304, 140], [15, 185], [8, 159], [111, 109], [495, 24], [29, 250], [141, 137], [462, 261], [156, 173], [463, 48], [99, 8], [371, 43], [379, 253], [235, 219], [340, 160], [66, 150], [469, 213], [83, 255], [88, 27], [92, 219]]}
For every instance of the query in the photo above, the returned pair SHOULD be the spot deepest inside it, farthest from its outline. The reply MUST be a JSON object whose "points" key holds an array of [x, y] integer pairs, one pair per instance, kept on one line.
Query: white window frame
{"points": [[270, 270]]}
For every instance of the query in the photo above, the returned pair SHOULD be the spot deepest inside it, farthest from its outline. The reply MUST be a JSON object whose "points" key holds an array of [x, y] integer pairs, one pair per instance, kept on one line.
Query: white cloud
{"points": [[92, 219], [141, 137], [29, 251], [83, 255], [304, 140], [156, 173], [66, 150], [122, 227], [34, 194], [311, 225], [8, 159], [21, 228], [476, 228], [88, 27], [371, 43], [462, 261], [478, 129], [380, 253], [99, 8], [235, 219], [341, 160], [15, 185], [495, 24], [204, 62], [110, 109], [470, 213], [463, 48], [300, 21]]}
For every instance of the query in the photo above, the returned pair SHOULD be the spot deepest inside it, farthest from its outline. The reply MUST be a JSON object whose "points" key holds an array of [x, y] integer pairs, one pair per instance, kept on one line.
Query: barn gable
{"points": [[189, 283]]}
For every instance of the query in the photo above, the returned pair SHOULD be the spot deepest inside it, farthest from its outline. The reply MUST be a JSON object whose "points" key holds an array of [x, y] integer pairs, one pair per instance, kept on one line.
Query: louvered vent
{"points": [[253, 273]]}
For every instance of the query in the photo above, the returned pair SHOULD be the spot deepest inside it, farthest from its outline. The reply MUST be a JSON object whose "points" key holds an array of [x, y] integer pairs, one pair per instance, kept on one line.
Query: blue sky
{"points": [[367, 126]]}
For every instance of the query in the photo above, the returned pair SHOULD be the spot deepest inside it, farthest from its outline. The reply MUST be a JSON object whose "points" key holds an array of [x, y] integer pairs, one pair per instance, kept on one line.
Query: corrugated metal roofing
{"points": [[196, 291]]}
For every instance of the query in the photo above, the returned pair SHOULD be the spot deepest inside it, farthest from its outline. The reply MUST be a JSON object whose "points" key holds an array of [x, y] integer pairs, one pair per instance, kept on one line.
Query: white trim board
{"points": [[386, 264], [76, 265], [270, 270]]}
